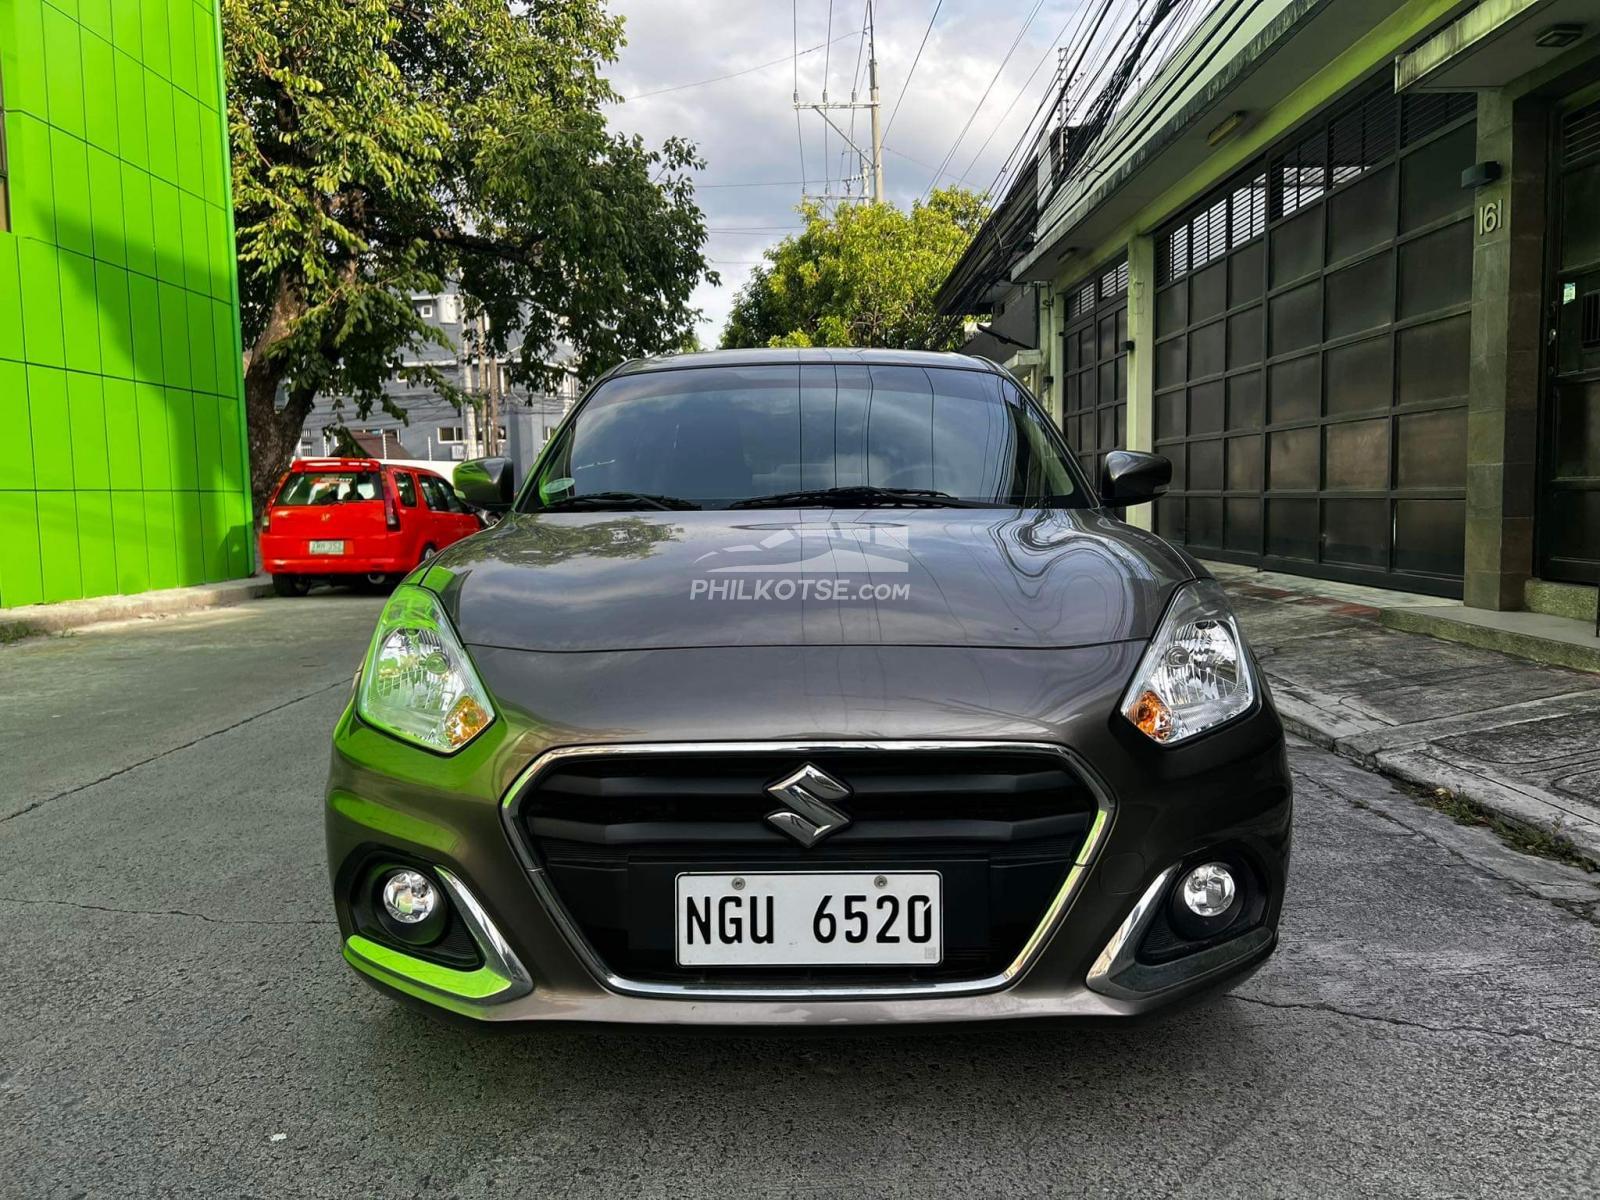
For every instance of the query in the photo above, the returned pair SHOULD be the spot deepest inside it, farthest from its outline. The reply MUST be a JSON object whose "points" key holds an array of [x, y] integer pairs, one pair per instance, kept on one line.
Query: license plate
{"points": [[327, 547], [805, 918]]}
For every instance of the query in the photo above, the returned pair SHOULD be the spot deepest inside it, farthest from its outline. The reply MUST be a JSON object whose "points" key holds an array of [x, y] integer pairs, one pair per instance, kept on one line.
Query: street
{"points": [[179, 1021]]}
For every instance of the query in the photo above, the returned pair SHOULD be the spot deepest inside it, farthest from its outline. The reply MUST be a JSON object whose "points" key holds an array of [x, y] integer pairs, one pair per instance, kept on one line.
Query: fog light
{"points": [[1209, 890], [411, 898]]}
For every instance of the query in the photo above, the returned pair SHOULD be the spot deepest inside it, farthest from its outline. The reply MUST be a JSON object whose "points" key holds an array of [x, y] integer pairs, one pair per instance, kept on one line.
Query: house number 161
{"points": [[1488, 217]]}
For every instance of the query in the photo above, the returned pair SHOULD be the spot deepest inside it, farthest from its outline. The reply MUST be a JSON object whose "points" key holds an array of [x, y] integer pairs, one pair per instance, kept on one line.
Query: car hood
{"points": [[908, 577]]}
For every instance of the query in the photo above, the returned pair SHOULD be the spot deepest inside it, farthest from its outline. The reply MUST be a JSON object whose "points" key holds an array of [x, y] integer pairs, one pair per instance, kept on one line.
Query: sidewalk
{"points": [[1515, 737], [34, 619]]}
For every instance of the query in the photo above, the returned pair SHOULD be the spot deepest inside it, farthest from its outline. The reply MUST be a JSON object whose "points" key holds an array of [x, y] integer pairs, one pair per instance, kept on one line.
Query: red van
{"points": [[348, 519]]}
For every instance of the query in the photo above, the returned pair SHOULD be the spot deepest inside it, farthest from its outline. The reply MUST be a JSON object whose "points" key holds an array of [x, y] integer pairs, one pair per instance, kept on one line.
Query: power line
{"points": [[960, 137], [799, 134], [855, 87], [1079, 17], [754, 183], [826, 58], [1135, 43], [926, 166], [870, 161], [887, 128], [1065, 74], [735, 74]]}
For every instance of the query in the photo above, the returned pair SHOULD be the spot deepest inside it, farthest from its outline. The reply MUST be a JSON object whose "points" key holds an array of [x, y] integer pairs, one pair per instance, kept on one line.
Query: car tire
{"points": [[290, 585], [427, 554]]}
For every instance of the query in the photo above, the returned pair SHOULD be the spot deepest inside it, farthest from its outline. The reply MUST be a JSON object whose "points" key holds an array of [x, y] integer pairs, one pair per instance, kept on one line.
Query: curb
{"points": [[1424, 771], [1532, 646], [37, 619]]}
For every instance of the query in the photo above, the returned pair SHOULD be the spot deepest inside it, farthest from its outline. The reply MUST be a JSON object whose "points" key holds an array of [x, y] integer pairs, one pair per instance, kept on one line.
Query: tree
{"points": [[866, 276], [382, 147]]}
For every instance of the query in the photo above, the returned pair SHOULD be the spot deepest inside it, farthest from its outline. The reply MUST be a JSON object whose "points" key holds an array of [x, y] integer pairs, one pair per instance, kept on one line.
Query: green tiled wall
{"points": [[122, 441]]}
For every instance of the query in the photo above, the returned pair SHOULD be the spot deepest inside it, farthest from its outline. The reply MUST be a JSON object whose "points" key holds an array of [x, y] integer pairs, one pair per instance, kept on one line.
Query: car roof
{"points": [[336, 464], [811, 355]]}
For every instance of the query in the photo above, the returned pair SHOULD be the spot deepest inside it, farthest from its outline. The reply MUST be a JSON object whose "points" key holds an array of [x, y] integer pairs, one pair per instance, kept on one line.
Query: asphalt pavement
{"points": [[177, 1019]]}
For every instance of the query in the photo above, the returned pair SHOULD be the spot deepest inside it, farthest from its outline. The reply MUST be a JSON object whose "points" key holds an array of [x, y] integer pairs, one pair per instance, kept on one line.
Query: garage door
{"points": [[1094, 406], [1312, 322]]}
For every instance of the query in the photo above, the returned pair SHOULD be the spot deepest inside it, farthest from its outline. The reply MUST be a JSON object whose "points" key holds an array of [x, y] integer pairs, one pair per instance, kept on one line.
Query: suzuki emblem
{"points": [[806, 815]]}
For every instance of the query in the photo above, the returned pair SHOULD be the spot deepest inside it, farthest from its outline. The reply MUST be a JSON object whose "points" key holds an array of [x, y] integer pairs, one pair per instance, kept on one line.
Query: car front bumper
{"points": [[1160, 809]]}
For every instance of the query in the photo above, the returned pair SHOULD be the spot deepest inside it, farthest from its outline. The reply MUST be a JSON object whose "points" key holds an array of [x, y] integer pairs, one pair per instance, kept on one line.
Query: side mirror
{"points": [[486, 483], [1132, 477]]}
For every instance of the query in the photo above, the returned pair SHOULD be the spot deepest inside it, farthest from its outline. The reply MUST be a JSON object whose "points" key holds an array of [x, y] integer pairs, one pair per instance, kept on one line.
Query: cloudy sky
{"points": [[745, 126]]}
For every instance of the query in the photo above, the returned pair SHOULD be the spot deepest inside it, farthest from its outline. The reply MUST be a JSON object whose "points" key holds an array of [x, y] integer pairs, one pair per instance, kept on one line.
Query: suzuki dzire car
{"points": [[808, 687]]}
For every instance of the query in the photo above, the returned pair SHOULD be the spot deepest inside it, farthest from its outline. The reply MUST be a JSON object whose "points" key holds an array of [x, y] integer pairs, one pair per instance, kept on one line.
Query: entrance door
{"points": [[1569, 516]]}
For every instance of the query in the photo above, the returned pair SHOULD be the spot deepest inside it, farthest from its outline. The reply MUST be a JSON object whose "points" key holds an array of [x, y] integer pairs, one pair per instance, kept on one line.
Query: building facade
{"points": [[120, 386], [1339, 260], [433, 428]]}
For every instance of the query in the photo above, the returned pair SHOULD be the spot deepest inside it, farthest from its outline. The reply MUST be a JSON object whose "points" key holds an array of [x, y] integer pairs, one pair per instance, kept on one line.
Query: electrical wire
{"points": [[1054, 98], [799, 133], [826, 60], [1079, 16], [680, 87], [931, 19], [855, 87], [1139, 50], [960, 137], [756, 183]]}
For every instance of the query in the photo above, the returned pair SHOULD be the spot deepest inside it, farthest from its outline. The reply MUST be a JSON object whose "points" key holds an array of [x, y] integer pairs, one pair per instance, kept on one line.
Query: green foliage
{"points": [[381, 147], [866, 276]]}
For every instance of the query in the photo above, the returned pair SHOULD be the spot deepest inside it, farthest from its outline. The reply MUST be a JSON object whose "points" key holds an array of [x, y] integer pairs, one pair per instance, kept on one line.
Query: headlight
{"points": [[1196, 673], [418, 682]]}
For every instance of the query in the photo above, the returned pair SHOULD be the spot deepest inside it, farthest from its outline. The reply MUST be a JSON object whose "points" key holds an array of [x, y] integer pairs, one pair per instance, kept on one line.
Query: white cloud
{"points": [[745, 127]]}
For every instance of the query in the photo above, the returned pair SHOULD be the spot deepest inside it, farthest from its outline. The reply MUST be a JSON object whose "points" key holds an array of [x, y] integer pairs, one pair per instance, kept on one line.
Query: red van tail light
{"points": [[391, 514], [272, 498]]}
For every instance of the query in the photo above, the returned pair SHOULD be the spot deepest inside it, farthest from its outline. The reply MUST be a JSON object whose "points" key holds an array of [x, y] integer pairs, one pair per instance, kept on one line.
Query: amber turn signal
{"points": [[1152, 716], [465, 720]]}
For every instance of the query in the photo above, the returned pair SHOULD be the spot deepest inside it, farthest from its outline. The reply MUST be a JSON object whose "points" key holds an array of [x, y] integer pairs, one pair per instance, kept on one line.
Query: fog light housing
{"points": [[410, 897], [1208, 891], [1208, 900]]}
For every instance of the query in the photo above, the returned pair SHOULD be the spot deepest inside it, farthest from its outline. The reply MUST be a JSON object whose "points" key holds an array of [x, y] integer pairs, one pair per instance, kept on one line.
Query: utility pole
{"points": [[871, 162], [877, 111]]}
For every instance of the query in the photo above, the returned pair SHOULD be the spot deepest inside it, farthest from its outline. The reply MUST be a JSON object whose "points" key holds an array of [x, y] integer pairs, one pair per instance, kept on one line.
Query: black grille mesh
{"points": [[613, 832]]}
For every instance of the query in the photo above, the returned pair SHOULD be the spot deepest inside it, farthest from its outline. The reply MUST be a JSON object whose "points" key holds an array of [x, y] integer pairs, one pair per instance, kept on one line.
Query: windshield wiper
{"points": [[618, 500], [864, 496]]}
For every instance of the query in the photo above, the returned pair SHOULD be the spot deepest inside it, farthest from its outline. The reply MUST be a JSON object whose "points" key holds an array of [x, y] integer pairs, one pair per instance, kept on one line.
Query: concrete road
{"points": [[177, 1020]]}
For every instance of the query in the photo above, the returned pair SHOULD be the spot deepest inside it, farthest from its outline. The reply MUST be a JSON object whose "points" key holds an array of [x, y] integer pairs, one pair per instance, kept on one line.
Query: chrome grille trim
{"points": [[1053, 915]]}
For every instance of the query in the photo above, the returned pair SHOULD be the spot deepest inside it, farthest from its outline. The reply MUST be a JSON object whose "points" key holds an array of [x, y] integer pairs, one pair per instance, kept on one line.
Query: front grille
{"points": [[613, 831]]}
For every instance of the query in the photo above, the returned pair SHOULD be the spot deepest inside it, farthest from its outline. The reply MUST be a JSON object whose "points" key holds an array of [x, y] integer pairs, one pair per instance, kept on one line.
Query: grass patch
{"points": [[15, 631], [1519, 835]]}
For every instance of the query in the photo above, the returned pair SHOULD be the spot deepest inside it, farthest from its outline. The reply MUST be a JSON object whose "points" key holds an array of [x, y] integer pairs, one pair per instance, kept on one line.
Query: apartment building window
{"points": [[450, 435]]}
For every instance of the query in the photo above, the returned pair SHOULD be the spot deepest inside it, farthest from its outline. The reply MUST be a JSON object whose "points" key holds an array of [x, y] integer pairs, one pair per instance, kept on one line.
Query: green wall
{"points": [[122, 447]]}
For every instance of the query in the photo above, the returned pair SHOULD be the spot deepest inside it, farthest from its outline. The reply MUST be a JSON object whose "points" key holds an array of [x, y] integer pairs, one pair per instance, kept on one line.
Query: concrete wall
{"points": [[120, 389], [1507, 373]]}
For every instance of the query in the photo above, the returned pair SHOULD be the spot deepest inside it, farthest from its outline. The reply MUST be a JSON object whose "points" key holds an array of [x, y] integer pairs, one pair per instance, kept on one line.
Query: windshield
{"points": [[717, 437], [329, 487]]}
